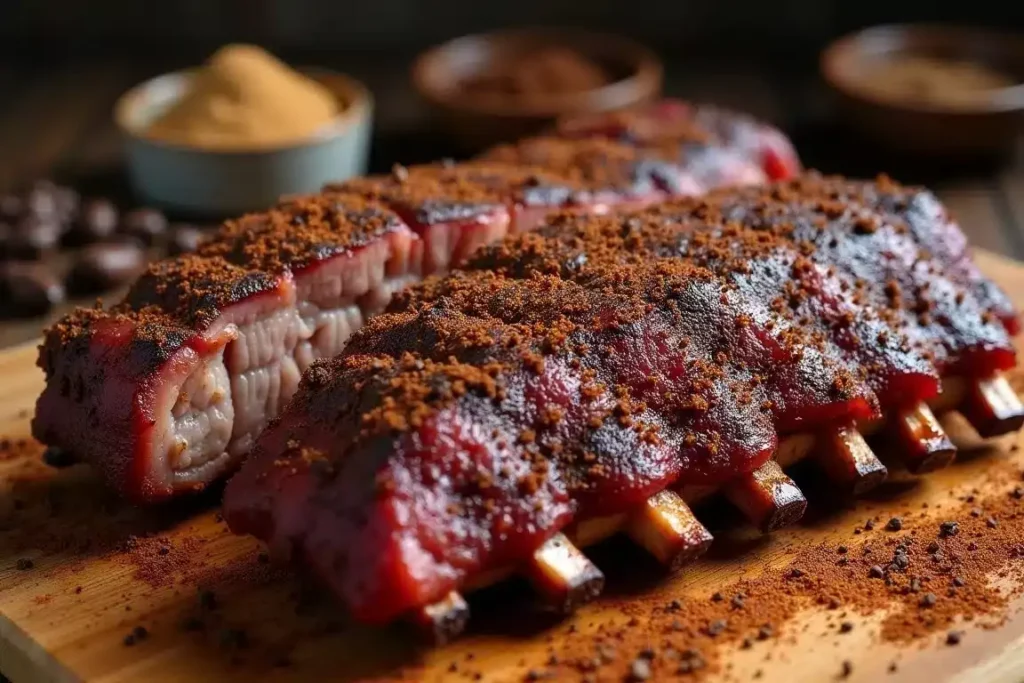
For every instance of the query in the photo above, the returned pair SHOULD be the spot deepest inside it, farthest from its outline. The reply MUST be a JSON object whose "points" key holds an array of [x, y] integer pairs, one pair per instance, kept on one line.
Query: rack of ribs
{"points": [[167, 390], [602, 373], [717, 143]]}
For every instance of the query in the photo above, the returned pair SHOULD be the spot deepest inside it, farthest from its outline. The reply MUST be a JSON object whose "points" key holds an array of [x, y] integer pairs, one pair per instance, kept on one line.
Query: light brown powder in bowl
{"points": [[244, 98]]}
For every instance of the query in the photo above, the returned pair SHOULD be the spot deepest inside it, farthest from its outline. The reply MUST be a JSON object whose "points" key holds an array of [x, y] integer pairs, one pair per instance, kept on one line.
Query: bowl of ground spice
{"points": [[240, 131], [496, 87], [939, 91]]}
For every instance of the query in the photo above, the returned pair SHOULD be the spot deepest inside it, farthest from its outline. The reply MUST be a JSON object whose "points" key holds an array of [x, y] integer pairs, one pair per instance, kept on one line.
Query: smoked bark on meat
{"points": [[169, 389], [701, 330]]}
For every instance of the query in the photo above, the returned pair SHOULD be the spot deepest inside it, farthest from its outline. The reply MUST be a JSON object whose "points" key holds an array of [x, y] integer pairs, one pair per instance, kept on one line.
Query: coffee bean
{"points": [[41, 201], [147, 225], [10, 207], [28, 289], [96, 222], [68, 203], [184, 239], [105, 266], [32, 237]]}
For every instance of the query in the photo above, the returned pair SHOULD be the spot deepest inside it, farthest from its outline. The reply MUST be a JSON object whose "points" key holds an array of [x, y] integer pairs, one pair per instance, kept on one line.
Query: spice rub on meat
{"points": [[586, 368], [168, 390], [716, 144]]}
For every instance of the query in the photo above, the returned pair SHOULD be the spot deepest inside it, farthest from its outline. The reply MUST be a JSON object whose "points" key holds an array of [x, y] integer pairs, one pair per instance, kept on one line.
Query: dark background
{"points": [[749, 27], [64, 62]]}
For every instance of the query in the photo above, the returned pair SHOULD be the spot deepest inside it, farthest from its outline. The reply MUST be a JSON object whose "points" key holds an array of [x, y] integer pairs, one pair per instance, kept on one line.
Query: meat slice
{"points": [[718, 146], [461, 433], [167, 390]]}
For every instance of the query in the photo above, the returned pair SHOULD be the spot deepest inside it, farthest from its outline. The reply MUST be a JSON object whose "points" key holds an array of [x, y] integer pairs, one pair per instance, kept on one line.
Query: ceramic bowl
{"points": [[982, 126], [476, 119], [221, 183]]}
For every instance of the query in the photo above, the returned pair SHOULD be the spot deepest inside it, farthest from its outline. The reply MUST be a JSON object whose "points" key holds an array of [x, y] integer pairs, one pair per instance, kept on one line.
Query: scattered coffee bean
{"points": [[10, 206], [183, 239], [28, 289], [146, 225], [96, 222], [876, 572], [41, 201], [949, 528], [105, 266], [954, 637], [928, 600], [32, 237], [68, 203], [894, 524]]}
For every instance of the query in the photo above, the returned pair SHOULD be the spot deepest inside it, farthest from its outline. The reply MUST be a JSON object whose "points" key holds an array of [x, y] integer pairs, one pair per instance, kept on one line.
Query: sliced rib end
{"points": [[667, 528], [767, 497], [848, 461], [444, 620], [992, 407], [564, 577], [921, 441]]}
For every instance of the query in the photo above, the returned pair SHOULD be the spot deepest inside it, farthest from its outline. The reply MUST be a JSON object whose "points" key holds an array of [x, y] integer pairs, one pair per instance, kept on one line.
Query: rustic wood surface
{"points": [[65, 618]]}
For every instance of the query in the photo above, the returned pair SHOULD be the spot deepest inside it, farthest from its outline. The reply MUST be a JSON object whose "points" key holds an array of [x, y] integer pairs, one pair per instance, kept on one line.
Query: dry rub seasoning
{"points": [[244, 98], [544, 72]]}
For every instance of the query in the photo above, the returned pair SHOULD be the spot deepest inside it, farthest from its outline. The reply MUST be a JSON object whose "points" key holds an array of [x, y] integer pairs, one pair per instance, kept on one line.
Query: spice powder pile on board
{"points": [[931, 573]]}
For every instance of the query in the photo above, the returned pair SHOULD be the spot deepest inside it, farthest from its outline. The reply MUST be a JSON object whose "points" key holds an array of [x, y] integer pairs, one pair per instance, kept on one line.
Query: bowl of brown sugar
{"points": [[495, 87], [242, 130], [946, 91]]}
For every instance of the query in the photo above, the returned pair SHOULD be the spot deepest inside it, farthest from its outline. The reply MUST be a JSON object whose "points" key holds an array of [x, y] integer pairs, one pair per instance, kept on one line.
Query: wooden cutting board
{"points": [[101, 569]]}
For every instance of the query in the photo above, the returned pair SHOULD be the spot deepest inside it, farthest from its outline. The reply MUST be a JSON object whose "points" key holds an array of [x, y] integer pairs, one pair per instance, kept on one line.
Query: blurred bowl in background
{"points": [[476, 118], [939, 91], [222, 183]]}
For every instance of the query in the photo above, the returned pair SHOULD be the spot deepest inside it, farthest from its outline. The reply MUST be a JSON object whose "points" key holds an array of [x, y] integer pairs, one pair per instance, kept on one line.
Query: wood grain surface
{"points": [[101, 569]]}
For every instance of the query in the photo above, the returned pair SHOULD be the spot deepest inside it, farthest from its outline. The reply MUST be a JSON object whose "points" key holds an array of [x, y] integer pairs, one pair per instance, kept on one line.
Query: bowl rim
{"points": [[646, 75], [841, 51], [359, 106]]}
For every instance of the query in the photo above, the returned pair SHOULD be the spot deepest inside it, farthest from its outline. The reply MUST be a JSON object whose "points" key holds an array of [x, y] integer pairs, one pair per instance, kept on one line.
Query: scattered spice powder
{"points": [[707, 629]]}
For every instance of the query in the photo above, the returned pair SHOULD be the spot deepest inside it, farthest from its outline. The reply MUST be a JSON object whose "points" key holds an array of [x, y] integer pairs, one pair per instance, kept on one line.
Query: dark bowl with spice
{"points": [[940, 91], [495, 87]]}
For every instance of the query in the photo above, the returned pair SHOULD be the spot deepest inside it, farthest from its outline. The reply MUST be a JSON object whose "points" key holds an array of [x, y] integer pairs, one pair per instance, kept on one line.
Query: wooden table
{"points": [[55, 120]]}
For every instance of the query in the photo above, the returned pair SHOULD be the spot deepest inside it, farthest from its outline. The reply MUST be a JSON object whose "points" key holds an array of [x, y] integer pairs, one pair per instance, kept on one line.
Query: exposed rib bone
{"points": [[667, 528], [992, 406], [848, 461], [767, 497], [443, 620], [920, 440], [563, 576]]}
